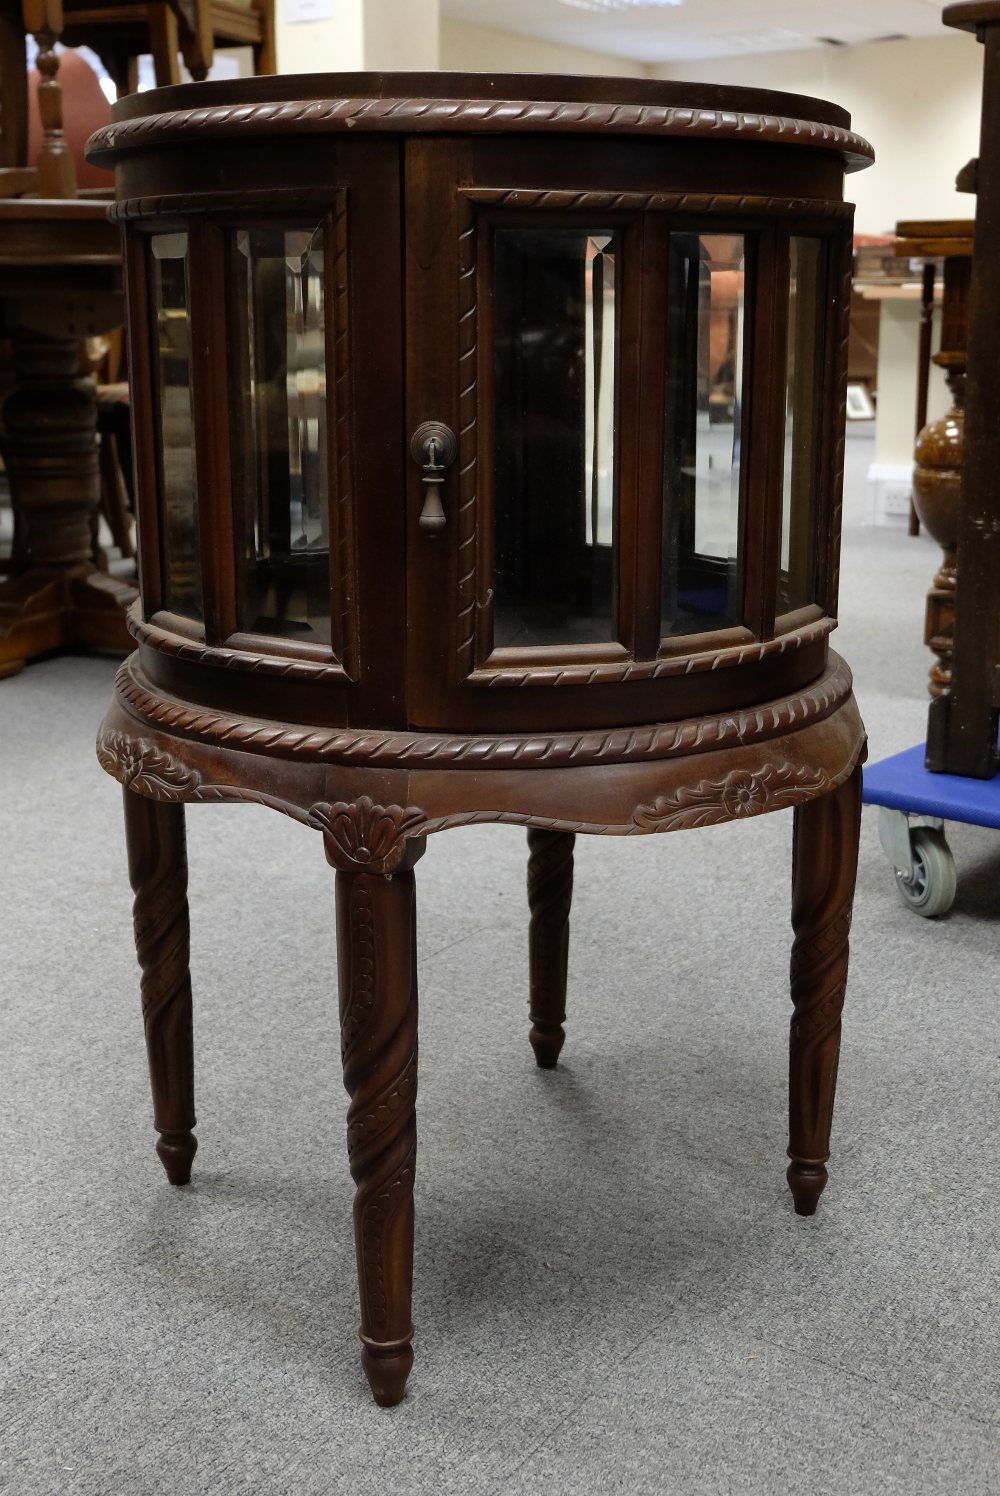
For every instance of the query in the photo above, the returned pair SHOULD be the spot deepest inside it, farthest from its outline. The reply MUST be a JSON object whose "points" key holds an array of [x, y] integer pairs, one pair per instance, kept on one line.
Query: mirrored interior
{"points": [[554, 460], [178, 489], [701, 480], [280, 442], [797, 578]]}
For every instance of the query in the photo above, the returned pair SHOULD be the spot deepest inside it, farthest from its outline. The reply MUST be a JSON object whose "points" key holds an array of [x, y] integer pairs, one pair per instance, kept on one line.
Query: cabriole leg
{"points": [[550, 895], [377, 961], [157, 865], [824, 868]]}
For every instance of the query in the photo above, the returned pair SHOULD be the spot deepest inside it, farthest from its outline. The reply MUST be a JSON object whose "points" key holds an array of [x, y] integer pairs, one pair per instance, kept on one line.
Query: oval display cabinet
{"points": [[489, 444]]}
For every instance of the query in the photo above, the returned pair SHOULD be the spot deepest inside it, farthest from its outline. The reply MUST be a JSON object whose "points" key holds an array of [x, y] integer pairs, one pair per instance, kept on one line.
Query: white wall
{"points": [[480, 49], [332, 46], [402, 35], [916, 101]]}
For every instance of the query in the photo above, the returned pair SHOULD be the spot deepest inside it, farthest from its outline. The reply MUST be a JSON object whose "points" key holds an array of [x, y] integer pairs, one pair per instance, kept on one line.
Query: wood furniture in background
{"points": [[60, 283], [120, 31], [489, 439], [937, 473], [962, 723]]}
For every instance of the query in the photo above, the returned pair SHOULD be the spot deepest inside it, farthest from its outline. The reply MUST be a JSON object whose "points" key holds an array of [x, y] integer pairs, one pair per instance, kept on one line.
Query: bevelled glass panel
{"points": [[701, 480], [178, 488], [279, 446], [555, 521], [797, 578]]}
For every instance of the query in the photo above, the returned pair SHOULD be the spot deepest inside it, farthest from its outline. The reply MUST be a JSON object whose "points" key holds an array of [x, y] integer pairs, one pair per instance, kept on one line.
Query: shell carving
{"points": [[742, 793], [364, 837]]}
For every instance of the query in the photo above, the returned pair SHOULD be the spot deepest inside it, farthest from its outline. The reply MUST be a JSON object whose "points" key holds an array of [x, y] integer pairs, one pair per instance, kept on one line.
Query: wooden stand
{"points": [[394, 701]]}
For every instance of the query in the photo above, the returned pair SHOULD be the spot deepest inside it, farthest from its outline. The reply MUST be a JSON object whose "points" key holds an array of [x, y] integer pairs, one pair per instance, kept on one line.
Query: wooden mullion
{"points": [[210, 392], [650, 433], [764, 413], [628, 434], [142, 359]]}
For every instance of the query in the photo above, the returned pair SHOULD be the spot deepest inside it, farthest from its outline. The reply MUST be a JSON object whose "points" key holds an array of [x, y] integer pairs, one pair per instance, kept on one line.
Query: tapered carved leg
{"points": [[157, 865], [550, 894], [824, 868], [377, 961]]}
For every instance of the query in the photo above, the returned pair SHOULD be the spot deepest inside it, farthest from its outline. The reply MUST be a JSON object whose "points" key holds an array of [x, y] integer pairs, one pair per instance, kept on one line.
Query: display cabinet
{"points": [[489, 439]]}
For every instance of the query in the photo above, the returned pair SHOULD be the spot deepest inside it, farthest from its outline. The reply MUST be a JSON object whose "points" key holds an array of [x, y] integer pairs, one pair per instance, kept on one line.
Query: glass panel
{"points": [[181, 552], [797, 582], [280, 434], [554, 466], [701, 481]]}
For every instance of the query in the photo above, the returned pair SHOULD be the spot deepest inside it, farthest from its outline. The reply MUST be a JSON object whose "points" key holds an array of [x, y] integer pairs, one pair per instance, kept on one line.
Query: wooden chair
{"points": [[121, 32]]}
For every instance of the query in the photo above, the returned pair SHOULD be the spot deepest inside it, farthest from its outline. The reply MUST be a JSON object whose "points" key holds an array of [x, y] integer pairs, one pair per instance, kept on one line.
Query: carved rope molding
{"points": [[306, 116], [445, 750], [644, 202], [190, 204], [671, 665], [244, 660], [469, 603]]}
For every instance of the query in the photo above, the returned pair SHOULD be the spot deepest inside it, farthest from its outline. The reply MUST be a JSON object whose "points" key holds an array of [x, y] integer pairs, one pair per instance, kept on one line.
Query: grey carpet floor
{"points": [[612, 1292]]}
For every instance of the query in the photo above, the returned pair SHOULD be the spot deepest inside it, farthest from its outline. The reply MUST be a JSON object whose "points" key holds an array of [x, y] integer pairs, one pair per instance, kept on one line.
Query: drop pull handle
{"points": [[433, 448]]}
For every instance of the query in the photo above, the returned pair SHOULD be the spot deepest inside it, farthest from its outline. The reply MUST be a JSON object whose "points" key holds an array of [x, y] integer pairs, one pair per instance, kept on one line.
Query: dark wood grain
{"points": [[157, 865], [377, 959], [824, 866], [413, 722], [550, 895]]}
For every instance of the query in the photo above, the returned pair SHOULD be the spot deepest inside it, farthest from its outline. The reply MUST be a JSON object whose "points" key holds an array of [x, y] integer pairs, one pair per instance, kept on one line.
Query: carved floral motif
{"points": [[142, 767], [743, 792], [364, 837]]}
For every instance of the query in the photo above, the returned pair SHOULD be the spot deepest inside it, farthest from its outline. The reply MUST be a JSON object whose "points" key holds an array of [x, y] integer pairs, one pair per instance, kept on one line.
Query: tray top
{"points": [[408, 103]]}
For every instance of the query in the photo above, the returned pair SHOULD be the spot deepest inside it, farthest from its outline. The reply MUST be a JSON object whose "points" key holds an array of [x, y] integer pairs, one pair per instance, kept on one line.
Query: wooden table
{"points": [[60, 282]]}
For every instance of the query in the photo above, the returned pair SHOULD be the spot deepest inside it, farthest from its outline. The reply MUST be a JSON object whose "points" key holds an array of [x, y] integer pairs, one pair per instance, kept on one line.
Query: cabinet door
{"points": [[522, 327]]}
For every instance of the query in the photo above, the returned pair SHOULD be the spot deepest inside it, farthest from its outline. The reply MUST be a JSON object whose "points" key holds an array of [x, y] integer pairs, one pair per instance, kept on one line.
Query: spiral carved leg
{"points": [[824, 868], [376, 944], [157, 864], [550, 895]]}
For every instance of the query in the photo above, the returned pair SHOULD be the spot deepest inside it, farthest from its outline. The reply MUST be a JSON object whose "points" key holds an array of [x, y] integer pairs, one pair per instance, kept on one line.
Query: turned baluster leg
{"points": [[550, 894], [157, 864], [377, 962], [824, 868]]}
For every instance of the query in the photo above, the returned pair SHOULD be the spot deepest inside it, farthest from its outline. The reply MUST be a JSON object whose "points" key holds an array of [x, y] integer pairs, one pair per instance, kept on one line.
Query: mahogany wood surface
{"points": [[60, 282], [962, 723], [937, 473], [413, 723]]}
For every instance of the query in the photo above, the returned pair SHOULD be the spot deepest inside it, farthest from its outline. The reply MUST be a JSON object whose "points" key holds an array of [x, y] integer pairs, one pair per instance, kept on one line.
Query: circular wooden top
{"points": [[492, 103]]}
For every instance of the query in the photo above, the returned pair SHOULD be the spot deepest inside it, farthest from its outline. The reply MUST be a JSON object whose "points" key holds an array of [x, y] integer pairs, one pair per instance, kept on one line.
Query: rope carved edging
{"points": [[645, 202], [409, 749], [362, 836], [306, 116]]}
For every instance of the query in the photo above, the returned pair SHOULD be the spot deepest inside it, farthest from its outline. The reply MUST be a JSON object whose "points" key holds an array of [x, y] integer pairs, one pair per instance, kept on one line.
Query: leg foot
{"points": [[824, 868], [806, 1182], [176, 1152], [550, 895], [376, 950], [157, 863], [387, 1369]]}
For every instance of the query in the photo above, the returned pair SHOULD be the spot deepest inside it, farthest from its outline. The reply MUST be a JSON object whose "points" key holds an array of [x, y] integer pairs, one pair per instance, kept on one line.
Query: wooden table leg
{"points": [[550, 895], [157, 865], [377, 963], [824, 869]]}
